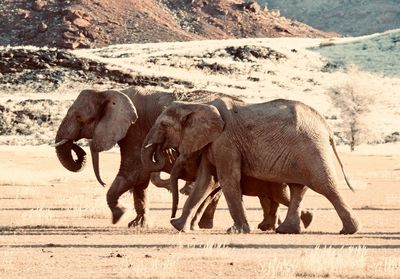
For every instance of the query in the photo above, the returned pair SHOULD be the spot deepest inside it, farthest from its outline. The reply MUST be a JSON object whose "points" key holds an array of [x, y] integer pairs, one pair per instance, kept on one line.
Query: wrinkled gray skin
{"points": [[280, 141], [94, 116]]}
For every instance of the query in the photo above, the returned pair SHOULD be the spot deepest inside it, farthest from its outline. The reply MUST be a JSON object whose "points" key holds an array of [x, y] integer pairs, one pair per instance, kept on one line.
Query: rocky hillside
{"points": [[357, 17], [38, 84], [96, 23]]}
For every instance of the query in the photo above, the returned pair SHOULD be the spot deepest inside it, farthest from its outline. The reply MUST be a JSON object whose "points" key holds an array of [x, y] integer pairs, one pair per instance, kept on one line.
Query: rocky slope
{"points": [[97, 23], [357, 17], [38, 84]]}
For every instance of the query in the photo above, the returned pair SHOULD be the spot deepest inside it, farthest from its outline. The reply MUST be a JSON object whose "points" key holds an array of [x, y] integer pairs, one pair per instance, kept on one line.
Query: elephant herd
{"points": [[215, 142]]}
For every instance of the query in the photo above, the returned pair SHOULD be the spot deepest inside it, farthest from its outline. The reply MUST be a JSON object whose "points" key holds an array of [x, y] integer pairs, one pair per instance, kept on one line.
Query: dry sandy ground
{"points": [[55, 224]]}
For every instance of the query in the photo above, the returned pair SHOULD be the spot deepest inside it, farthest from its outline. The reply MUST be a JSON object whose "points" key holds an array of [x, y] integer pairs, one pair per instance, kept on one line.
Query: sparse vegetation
{"points": [[354, 100], [57, 223]]}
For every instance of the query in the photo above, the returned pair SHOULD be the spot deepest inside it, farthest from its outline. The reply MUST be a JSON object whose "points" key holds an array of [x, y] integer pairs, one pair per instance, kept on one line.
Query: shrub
{"points": [[355, 100]]}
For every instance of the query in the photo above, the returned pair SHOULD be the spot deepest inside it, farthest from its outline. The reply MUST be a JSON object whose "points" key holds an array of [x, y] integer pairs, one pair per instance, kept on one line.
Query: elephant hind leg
{"points": [[270, 209], [329, 190], [291, 224], [280, 194]]}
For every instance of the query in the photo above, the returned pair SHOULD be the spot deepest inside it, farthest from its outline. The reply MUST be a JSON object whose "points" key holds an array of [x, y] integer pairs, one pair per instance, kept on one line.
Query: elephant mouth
{"points": [[71, 155], [153, 157]]}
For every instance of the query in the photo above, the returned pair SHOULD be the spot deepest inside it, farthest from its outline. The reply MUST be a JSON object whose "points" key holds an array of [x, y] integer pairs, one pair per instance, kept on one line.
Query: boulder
{"points": [[38, 5]]}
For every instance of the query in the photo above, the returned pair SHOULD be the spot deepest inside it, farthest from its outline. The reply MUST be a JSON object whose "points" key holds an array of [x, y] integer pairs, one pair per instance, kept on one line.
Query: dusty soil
{"points": [[87, 23], [56, 224]]}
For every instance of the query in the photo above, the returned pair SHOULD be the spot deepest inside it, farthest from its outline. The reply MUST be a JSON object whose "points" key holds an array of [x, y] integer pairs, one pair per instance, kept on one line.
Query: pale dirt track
{"points": [[55, 224]]}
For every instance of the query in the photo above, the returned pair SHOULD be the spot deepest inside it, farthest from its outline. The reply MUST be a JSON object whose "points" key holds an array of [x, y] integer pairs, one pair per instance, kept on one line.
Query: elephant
{"points": [[123, 117], [281, 141]]}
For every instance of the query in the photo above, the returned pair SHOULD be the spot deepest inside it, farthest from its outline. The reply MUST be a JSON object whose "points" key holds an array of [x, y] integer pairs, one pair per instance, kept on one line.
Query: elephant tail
{"points": [[332, 143]]}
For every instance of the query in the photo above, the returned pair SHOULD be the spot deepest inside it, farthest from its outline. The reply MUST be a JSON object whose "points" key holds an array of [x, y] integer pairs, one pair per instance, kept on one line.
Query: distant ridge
{"points": [[351, 18]]}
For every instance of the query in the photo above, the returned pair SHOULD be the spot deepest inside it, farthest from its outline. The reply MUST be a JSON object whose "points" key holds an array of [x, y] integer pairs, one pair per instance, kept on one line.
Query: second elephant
{"points": [[281, 141]]}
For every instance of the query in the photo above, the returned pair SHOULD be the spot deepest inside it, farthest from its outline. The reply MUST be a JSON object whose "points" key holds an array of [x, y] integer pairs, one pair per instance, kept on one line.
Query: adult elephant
{"points": [[107, 117], [281, 141]]}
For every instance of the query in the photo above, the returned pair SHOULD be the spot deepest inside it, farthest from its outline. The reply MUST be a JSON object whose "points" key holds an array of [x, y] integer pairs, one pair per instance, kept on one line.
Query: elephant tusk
{"points": [[60, 143], [170, 155], [148, 145]]}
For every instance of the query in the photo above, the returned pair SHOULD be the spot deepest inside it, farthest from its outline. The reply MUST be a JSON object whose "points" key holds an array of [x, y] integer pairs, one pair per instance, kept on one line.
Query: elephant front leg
{"points": [[236, 208], [118, 187], [229, 175], [140, 202], [291, 224], [203, 187]]}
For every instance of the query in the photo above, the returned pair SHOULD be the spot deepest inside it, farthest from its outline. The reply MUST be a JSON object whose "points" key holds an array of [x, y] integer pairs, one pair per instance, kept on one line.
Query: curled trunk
{"points": [[66, 133], [64, 155]]}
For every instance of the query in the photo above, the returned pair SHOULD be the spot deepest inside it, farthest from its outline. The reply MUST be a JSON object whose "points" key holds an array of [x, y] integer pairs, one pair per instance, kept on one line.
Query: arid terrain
{"points": [[56, 224]]}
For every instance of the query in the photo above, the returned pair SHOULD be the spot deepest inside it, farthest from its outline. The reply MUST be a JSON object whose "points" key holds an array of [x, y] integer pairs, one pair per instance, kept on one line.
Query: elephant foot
{"points": [[179, 224], [306, 217], [236, 229], [266, 225], [139, 221], [350, 228], [206, 223], [286, 228], [185, 190], [117, 213]]}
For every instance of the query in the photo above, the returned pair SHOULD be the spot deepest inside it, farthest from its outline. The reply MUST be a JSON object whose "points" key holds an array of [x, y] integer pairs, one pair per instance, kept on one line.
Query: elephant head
{"points": [[102, 116], [187, 128]]}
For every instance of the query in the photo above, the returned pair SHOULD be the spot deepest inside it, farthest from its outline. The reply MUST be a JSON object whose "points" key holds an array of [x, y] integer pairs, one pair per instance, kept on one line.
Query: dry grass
{"points": [[57, 224]]}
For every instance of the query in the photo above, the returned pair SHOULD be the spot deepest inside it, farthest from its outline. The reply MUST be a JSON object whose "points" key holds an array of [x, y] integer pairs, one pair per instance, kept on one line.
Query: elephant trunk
{"points": [[155, 178], [95, 163], [64, 148], [153, 158], [176, 172]]}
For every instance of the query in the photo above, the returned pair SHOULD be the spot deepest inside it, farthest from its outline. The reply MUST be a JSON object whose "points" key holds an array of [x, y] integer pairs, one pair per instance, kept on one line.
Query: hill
{"points": [[376, 53], [97, 23], [38, 84], [357, 17]]}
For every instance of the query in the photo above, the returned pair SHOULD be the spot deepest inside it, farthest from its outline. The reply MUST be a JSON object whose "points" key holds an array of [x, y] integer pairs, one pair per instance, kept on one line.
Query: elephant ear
{"points": [[118, 114], [202, 124]]}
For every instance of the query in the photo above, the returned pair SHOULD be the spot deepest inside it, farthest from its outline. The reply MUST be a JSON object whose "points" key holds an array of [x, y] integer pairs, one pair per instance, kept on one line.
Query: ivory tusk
{"points": [[60, 143], [148, 145]]}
